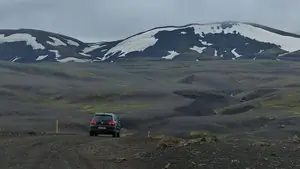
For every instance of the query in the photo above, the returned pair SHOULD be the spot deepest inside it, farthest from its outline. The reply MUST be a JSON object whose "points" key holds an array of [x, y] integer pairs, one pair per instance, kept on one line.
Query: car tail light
{"points": [[112, 123], [93, 122]]}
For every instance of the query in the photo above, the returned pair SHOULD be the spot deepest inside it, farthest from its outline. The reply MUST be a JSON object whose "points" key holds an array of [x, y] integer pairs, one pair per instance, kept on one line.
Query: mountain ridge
{"points": [[194, 41], [297, 34]]}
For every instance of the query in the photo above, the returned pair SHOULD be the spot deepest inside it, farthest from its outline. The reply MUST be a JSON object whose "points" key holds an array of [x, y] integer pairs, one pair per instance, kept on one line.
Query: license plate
{"points": [[101, 127]]}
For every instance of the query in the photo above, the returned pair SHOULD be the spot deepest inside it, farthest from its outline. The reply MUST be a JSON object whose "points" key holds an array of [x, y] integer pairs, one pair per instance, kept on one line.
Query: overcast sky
{"points": [[97, 20]]}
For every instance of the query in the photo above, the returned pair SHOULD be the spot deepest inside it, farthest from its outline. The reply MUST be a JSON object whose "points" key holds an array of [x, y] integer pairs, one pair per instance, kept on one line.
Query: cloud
{"points": [[97, 20]]}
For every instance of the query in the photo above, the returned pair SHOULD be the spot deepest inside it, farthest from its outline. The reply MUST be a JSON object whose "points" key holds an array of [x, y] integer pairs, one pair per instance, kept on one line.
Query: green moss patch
{"points": [[110, 106]]}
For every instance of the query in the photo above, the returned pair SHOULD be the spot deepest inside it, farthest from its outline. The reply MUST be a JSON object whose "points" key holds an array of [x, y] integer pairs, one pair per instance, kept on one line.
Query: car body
{"points": [[105, 123]]}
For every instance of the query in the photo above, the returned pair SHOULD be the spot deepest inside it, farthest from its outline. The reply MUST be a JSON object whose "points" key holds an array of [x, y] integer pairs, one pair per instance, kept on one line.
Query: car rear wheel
{"points": [[116, 134], [92, 134]]}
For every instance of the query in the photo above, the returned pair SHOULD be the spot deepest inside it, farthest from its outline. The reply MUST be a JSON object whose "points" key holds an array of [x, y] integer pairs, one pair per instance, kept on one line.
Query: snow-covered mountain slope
{"points": [[27, 45], [224, 40]]}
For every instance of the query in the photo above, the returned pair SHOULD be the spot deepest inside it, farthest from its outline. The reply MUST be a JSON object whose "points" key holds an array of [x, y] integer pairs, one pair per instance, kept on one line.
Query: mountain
{"points": [[26, 45], [222, 40]]}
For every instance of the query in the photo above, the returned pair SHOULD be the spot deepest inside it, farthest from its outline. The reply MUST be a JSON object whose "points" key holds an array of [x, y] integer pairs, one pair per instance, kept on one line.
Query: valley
{"points": [[183, 97], [200, 114]]}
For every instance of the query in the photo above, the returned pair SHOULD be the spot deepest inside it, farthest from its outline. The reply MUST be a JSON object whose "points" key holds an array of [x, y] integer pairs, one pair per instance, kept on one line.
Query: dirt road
{"points": [[84, 152], [41, 152], [65, 152]]}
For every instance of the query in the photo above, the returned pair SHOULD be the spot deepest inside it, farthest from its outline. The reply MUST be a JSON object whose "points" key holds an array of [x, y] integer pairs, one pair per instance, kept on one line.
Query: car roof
{"points": [[110, 114]]}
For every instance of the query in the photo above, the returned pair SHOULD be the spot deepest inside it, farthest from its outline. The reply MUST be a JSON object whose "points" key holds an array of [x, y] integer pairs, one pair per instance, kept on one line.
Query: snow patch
{"points": [[283, 54], [84, 54], [92, 48], [183, 33], [71, 42], [261, 51], [287, 43], [42, 57], [17, 37], [235, 54], [216, 53], [205, 43], [15, 59], [137, 43], [56, 42], [171, 55], [57, 55], [198, 49], [72, 59]]}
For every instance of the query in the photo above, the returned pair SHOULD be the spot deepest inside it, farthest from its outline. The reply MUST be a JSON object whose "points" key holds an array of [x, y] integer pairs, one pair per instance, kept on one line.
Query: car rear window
{"points": [[103, 117]]}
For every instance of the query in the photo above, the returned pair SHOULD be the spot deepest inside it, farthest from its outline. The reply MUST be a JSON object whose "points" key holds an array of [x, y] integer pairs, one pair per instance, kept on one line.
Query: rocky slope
{"points": [[224, 40]]}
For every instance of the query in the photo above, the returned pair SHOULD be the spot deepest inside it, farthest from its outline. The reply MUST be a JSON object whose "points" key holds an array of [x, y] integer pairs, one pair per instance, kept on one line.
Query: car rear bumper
{"points": [[107, 130]]}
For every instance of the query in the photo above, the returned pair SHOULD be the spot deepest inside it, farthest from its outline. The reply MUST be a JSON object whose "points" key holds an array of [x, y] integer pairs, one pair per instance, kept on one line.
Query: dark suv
{"points": [[105, 123]]}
